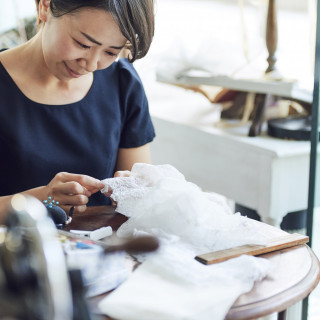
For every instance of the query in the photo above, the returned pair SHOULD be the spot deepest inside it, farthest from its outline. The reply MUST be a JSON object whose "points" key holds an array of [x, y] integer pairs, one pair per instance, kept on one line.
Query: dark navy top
{"points": [[38, 140]]}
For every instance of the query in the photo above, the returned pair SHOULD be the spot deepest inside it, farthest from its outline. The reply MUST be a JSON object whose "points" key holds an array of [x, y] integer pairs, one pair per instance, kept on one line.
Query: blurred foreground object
{"points": [[34, 280]]}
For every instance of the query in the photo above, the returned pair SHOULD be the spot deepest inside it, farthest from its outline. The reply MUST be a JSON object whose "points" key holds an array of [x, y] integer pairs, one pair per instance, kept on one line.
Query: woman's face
{"points": [[79, 43]]}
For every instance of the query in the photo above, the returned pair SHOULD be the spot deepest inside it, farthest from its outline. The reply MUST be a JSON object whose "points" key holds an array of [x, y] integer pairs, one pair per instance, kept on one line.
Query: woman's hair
{"points": [[135, 19]]}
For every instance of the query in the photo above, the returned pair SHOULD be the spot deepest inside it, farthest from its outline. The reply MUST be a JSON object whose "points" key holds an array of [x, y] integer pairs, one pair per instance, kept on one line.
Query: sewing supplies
{"points": [[71, 211], [101, 272], [51, 202], [95, 234], [57, 214]]}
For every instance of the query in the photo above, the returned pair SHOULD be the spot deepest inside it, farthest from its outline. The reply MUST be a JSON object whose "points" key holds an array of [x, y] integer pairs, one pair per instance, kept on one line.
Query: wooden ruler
{"points": [[286, 241]]}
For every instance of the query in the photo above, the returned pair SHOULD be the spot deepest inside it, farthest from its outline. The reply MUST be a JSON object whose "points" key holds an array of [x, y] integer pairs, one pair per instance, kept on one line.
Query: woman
{"points": [[71, 113]]}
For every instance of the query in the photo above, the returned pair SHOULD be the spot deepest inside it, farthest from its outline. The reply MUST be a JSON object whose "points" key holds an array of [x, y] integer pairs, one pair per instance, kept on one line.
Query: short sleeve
{"points": [[137, 128]]}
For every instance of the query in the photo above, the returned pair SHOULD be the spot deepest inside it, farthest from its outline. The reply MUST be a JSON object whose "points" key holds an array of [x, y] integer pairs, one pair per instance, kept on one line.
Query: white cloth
{"points": [[160, 201], [127, 190], [171, 284], [175, 286]]}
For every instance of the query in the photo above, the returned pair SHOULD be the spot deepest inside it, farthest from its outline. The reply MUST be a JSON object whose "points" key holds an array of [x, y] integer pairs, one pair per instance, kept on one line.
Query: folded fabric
{"points": [[172, 285]]}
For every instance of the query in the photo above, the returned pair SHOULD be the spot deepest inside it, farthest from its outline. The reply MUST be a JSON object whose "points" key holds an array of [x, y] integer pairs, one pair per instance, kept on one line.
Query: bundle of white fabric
{"points": [[171, 284]]}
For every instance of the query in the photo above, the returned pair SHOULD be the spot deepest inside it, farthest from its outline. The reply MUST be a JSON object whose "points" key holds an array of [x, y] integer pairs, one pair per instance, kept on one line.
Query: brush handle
{"points": [[136, 245]]}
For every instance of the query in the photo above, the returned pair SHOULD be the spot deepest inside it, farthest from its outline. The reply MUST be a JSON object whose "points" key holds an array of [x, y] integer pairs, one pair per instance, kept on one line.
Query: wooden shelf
{"points": [[287, 89]]}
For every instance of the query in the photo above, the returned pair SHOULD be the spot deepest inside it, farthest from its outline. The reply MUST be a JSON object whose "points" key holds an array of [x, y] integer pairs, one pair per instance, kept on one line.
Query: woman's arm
{"points": [[38, 193], [67, 188], [127, 157]]}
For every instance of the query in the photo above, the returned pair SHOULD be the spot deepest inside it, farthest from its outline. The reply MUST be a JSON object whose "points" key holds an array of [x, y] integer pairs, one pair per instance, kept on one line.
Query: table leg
{"points": [[258, 115], [282, 315]]}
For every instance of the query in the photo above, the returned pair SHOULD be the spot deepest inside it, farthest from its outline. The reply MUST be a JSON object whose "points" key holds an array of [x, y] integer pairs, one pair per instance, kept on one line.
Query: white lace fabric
{"points": [[127, 190], [159, 201], [159, 198]]}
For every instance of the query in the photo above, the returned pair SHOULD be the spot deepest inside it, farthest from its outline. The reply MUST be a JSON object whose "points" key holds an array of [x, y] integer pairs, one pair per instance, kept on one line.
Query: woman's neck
{"points": [[26, 66]]}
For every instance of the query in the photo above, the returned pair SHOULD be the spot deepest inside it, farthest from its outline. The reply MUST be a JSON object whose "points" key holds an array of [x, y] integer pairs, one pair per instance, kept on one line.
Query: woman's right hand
{"points": [[72, 190]]}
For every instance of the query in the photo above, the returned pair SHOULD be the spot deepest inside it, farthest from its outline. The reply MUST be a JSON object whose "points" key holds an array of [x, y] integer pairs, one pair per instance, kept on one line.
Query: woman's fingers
{"points": [[76, 209], [125, 173], [71, 193], [88, 182], [73, 189], [74, 199], [108, 192], [79, 209]]}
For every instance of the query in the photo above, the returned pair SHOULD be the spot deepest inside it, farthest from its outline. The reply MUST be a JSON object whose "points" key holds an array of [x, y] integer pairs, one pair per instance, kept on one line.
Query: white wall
{"points": [[281, 4]]}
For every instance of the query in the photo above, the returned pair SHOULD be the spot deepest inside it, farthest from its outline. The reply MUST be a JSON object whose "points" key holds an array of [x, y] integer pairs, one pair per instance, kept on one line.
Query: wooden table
{"points": [[296, 274], [296, 271]]}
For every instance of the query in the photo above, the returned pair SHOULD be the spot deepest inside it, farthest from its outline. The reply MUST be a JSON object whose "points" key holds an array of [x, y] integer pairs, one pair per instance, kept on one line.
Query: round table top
{"points": [[295, 273]]}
